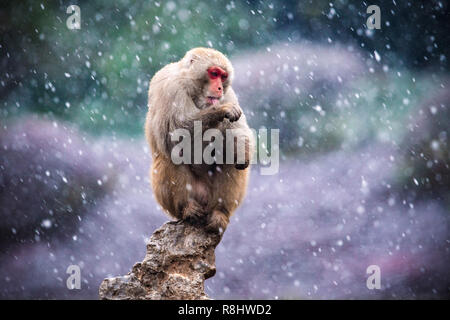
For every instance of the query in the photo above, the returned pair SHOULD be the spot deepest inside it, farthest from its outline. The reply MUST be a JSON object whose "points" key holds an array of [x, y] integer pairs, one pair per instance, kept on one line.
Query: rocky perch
{"points": [[180, 257]]}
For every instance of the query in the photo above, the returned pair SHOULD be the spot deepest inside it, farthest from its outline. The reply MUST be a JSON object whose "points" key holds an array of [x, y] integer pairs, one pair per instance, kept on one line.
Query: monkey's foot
{"points": [[194, 213], [217, 222]]}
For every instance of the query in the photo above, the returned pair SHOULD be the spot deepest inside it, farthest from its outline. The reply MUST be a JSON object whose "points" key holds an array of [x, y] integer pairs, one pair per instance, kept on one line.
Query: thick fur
{"points": [[177, 93]]}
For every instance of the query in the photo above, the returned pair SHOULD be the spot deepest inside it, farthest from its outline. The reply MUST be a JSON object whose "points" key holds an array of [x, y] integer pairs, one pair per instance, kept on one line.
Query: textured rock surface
{"points": [[180, 257]]}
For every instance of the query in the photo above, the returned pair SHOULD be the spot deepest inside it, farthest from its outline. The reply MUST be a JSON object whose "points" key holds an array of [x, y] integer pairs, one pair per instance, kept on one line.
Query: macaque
{"points": [[198, 88]]}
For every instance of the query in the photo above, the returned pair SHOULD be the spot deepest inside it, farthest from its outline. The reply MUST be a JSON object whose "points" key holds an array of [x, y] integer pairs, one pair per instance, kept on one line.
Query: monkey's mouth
{"points": [[212, 100]]}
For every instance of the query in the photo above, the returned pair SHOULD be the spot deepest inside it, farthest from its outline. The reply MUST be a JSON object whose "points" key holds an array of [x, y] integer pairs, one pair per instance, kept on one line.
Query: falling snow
{"points": [[364, 152]]}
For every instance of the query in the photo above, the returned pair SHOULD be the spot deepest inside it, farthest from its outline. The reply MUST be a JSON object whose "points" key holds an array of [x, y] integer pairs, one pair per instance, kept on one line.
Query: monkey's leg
{"points": [[217, 221], [195, 209], [163, 193], [241, 152]]}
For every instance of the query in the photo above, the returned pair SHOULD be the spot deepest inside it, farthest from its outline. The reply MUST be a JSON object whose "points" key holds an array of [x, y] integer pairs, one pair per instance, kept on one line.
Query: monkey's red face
{"points": [[217, 76]]}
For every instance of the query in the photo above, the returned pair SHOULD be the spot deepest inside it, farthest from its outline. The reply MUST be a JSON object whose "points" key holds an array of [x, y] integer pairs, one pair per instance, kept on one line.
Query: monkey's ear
{"points": [[193, 58], [189, 61]]}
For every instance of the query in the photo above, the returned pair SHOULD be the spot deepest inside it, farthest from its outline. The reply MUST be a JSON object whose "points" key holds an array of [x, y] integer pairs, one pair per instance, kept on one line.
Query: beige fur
{"points": [[177, 93]]}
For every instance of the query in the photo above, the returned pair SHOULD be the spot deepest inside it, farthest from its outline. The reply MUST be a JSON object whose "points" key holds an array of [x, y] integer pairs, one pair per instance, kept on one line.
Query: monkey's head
{"points": [[211, 73]]}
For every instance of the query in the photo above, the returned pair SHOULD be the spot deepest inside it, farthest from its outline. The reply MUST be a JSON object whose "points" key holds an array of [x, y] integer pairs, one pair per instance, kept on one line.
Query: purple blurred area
{"points": [[308, 232]]}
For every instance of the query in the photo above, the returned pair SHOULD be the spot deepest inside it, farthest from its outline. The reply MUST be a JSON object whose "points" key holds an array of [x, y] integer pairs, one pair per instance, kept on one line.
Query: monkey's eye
{"points": [[215, 73], [224, 77]]}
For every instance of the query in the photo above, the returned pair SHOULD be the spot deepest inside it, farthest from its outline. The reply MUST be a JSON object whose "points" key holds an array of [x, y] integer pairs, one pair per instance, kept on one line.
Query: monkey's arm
{"points": [[228, 115], [243, 137], [211, 117], [176, 110]]}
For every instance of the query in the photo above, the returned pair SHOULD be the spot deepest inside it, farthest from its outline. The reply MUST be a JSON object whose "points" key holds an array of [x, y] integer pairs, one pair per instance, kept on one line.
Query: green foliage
{"points": [[98, 76], [375, 107], [378, 106]]}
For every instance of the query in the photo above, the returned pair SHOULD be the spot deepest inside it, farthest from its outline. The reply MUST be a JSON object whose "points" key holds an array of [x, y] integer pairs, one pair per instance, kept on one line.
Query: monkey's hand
{"points": [[242, 166], [230, 111], [242, 155]]}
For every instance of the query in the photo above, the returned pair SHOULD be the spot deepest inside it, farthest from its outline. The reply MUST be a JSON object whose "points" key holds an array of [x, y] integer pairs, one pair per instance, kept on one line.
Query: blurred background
{"points": [[363, 116]]}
